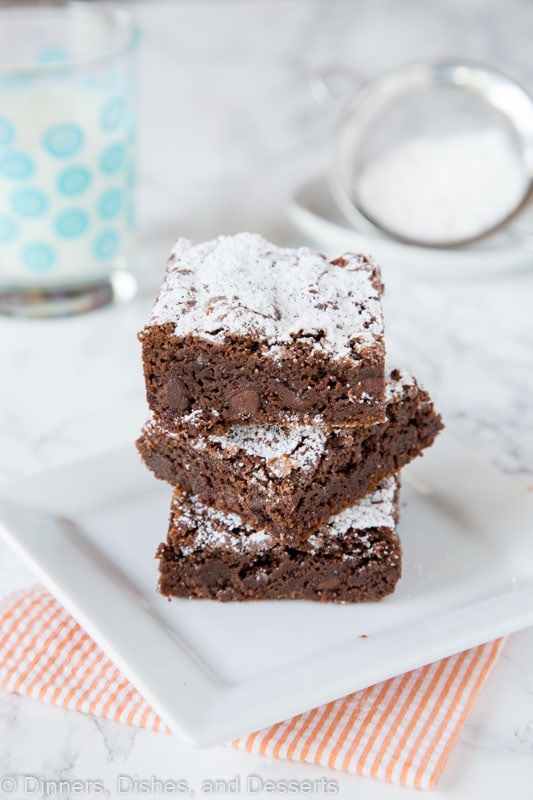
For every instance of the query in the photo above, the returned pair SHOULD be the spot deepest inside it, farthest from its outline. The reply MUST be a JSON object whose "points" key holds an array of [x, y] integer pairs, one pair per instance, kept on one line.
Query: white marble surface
{"points": [[228, 129]]}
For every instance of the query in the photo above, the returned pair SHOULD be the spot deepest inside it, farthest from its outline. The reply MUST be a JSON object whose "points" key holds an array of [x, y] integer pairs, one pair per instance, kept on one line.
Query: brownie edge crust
{"points": [[355, 557], [243, 331]]}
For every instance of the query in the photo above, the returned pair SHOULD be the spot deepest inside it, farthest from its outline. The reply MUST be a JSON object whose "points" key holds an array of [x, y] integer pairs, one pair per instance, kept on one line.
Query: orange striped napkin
{"points": [[401, 730]]}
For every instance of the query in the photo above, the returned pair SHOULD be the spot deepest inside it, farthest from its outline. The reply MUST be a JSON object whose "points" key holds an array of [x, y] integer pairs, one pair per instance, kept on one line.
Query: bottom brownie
{"points": [[355, 556]]}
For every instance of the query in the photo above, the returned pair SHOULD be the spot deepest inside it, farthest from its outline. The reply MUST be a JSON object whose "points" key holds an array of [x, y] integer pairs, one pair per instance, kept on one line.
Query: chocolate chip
{"points": [[292, 400], [175, 395], [244, 402], [288, 396]]}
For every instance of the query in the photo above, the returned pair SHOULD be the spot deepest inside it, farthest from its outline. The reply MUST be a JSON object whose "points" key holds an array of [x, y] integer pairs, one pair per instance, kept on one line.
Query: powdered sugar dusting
{"points": [[284, 449], [396, 385], [446, 187], [215, 529], [243, 285], [376, 510]]}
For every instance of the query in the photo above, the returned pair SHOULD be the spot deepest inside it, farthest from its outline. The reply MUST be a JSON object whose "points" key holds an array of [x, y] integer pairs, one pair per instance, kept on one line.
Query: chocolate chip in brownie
{"points": [[244, 402], [175, 394]]}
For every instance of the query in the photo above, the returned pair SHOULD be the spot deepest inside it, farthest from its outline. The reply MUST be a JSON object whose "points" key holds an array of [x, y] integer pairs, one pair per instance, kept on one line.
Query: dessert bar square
{"points": [[245, 331], [289, 480], [354, 557]]}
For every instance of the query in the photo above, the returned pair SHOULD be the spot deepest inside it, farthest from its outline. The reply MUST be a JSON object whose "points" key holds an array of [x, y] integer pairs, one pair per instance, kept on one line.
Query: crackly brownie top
{"points": [[245, 286], [201, 527], [284, 449]]}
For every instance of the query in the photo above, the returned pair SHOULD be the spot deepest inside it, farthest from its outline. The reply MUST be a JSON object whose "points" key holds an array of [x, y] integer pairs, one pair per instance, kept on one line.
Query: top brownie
{"points": [[245, 331]]}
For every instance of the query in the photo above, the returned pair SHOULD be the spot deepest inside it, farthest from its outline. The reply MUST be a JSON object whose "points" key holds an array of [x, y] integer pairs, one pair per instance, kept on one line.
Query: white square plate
{"points": [[214, 671]]}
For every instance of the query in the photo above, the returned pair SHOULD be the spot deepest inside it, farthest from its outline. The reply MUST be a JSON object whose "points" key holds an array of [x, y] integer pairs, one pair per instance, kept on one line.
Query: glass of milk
{"points": [[67, 157]]}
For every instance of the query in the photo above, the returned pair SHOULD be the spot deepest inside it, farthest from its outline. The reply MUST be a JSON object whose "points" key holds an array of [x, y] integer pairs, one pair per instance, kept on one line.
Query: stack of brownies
{"points": [[275, 420]]}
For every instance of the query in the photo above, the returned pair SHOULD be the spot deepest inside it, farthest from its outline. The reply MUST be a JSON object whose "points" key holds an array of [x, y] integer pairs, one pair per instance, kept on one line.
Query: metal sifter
{"points": [[435, 154]]}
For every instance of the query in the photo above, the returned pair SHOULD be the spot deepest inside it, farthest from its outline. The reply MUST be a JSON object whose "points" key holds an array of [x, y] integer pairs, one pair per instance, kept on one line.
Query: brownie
{"points": [[245, 331], [354, 557], [289, 480]]}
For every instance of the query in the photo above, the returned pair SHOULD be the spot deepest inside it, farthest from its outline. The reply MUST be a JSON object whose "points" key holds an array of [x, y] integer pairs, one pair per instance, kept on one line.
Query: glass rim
{"points": [[118, 18]]}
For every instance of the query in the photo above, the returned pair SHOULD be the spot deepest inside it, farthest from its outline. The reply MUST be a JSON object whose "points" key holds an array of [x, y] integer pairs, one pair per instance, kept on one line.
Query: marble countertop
{"points": [[228, 129]]}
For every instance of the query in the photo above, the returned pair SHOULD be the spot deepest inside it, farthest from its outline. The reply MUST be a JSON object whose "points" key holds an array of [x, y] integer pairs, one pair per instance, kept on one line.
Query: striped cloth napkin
{"points": [[400, 731]]}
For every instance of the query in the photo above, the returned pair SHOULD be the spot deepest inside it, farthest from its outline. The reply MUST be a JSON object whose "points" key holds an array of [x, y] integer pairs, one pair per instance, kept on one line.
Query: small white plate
{"points": [[314, 213], [214, 671]]}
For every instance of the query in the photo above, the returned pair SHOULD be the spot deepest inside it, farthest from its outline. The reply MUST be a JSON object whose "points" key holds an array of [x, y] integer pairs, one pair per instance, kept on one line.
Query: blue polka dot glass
{"points": [[67, 157]]}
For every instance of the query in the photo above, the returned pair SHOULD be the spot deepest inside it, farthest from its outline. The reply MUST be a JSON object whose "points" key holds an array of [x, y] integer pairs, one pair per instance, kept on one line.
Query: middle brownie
{"points": [[293, 479]]}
